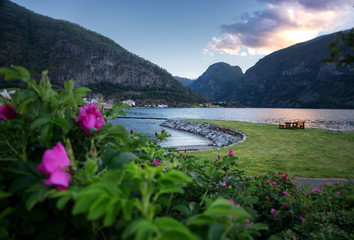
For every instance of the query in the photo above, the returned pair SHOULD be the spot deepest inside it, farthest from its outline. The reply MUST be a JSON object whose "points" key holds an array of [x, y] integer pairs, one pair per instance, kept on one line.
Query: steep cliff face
{"points": [[69, 51], [218, 81], [295, 77]]}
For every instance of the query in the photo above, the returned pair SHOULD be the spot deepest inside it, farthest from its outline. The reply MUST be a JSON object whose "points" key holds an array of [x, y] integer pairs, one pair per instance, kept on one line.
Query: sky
{"points": [[185, 37]]}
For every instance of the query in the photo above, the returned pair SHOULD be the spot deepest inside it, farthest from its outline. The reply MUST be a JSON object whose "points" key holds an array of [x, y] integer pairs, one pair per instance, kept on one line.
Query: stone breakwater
{"points": [[220, 136]]}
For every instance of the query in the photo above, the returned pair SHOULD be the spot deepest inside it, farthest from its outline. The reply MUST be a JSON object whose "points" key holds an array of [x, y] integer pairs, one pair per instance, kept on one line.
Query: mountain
{"points": [[185, 81], [69, 51], [292, 77], [295, 77], [217, 81]]}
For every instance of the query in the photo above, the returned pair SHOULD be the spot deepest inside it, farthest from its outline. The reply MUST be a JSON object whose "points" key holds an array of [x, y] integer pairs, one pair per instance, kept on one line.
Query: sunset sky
{"points": [[186, 36]]}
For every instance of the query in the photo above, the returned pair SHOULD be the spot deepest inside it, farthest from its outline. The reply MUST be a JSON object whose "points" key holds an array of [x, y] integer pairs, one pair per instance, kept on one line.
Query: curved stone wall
{"points": [[220, 136]]}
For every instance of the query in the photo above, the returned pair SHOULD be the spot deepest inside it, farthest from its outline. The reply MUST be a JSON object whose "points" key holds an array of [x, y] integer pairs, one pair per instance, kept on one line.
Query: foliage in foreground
{"points": [[68, 174]]}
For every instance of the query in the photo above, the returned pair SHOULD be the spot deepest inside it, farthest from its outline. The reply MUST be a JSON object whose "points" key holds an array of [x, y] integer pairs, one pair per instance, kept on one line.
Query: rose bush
{"points": [[67, 173]]}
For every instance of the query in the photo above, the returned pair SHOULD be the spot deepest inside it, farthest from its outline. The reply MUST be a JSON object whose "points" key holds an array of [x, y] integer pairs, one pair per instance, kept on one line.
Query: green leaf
{"points": [[259, 226], [133, 227], [4, 194], [40, 121], [7, 211], [85, 200], [23, 71], [112, 211], [216, 232], [98, 208], [63, 201], [183, 209], [63, 124], [173, 229], [128, 208], [10, 74], [46, 132], [69, 86], [222, 207], [81, 91], [200, 220]]}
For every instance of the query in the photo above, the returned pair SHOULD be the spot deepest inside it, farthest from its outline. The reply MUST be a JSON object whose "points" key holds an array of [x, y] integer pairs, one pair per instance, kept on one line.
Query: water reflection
{"points": [[315, 118]]}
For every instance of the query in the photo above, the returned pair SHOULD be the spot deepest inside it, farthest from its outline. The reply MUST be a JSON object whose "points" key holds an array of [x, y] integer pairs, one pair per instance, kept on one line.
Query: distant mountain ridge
{"points": [[290, 77], [69, 51], [217, 81], [185, 81]]}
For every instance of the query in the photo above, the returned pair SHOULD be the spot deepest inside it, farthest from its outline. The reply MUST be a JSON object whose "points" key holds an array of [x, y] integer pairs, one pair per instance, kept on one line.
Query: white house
{"points": [[129, 102]]}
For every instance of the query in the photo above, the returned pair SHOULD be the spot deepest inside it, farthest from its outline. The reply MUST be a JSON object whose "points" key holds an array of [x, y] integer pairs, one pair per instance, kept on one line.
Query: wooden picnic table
{"points": [[292, 125]]}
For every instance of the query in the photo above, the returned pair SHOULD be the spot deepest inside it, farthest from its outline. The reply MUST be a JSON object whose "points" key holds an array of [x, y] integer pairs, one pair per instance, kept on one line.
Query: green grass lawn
{"points": [[309, 153]]}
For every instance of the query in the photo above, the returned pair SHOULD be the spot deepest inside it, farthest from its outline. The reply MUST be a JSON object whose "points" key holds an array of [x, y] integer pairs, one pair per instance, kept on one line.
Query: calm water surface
{"points": [[333, 119]]}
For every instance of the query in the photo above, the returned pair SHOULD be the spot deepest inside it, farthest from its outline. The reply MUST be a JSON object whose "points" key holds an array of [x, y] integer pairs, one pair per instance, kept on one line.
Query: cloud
{"points": [[281, 24]]}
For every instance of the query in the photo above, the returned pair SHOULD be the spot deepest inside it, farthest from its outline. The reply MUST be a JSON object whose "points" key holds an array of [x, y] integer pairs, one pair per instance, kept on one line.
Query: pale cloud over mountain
{"points": [[281, 24]]}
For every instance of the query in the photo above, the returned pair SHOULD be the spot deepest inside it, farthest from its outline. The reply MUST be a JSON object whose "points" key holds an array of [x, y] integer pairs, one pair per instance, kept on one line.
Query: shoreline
{"points": [[221, 137]]}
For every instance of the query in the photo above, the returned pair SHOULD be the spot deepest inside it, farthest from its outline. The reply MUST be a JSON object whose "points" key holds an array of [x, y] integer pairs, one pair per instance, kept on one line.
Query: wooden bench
{"points": [[302, 124]]}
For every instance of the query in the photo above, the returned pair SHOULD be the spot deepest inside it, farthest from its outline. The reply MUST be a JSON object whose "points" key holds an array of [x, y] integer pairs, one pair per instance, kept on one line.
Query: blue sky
{"points": [[186, 36]]}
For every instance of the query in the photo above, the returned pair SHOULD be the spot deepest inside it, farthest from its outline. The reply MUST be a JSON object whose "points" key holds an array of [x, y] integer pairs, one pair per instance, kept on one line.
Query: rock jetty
{"points": [[220, 136]]}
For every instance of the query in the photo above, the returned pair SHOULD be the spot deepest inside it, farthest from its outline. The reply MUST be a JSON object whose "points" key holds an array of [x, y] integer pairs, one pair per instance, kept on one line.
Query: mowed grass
{"points": [[305, 153]]}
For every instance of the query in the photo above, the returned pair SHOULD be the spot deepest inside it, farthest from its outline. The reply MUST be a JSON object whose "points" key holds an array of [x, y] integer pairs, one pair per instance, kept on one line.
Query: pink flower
{"points": [[301, 218], [54, 164], [303, 193], [285, 206], [7, 112], [273, 175], [231, 154], [292, 177], [330, 197], [156, 162], [232, 202], [285, 193], [266, 198], [89, 116], [274, 183], [272, 211], [268, 181], [338, 193], [218, 159], [181, 156], [327, 183], [238, 205], [328, 213]]}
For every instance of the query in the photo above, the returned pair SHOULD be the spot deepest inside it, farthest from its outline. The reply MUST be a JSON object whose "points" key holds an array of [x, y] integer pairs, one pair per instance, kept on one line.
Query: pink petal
{"points": [[60, 179], [53, 159]]}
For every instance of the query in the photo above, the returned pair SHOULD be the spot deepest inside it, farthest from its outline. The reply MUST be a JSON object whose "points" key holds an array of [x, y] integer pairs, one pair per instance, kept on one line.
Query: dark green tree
{"points": [[338, 55]]}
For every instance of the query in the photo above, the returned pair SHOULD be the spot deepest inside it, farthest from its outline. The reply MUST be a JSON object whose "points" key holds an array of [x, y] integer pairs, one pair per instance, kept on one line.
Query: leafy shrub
{"points": [[68, 174]]}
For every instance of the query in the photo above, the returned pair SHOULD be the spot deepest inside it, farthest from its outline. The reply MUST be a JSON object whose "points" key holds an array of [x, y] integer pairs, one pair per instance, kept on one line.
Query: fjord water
{"points": [[332, 119]]}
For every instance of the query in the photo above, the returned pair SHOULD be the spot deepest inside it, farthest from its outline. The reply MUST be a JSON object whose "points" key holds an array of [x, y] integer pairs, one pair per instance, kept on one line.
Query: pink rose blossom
{"points": [[89, 116], [231, 154], [156, 162], [54, 164], [238, 205], [285, 193], [274, 183], [328, 213], [338, 193], [232, 202], [272, 211], [273, 175], [292, 177], [303, 193], [330, 197], [268, 181], [7, 112], [301, 218], [266, 198]]}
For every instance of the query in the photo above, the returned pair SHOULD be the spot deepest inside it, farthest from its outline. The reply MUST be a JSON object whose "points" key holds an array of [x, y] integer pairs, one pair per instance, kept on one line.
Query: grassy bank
{"points": [[301, 153]]}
